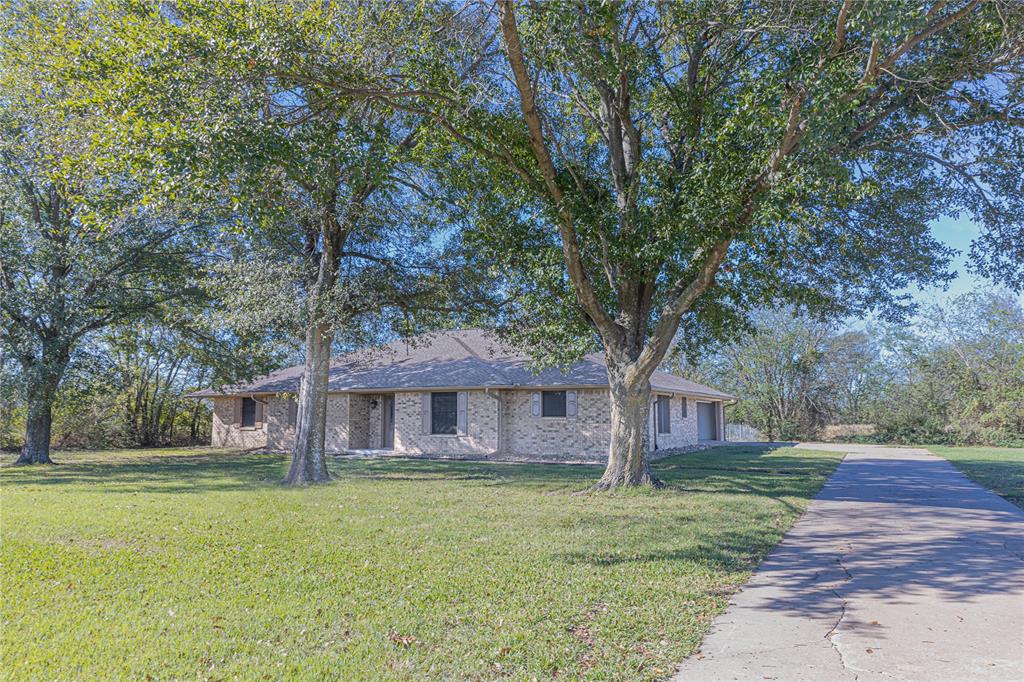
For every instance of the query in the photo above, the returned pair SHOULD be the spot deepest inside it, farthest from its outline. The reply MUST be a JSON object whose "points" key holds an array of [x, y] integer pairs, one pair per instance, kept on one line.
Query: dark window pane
{"points": [[293, 411], [444, 413], [664, 414], [553, 403], [248, 412]]}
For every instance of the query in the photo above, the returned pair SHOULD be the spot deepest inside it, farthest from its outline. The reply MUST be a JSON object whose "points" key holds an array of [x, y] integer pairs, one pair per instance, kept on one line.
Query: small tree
{"points": [[778, 370], [959, 374]]}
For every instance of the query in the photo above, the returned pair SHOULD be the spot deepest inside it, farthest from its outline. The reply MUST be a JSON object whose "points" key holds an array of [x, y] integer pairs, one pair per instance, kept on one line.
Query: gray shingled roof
{"points": [[470, 358]]}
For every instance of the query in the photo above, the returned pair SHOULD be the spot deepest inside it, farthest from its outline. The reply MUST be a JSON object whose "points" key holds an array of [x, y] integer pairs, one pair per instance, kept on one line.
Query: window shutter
{"points": [[684, 407], [570, 403], [463, 405], [293, 411], [535, 407], [425, 414], [236, 411], [259, 413]]}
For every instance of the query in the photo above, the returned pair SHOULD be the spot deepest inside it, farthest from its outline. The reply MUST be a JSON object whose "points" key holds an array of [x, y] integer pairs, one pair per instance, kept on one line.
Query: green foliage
{"points": [[397, 569], [328, 215], [959, 379], [79, 249], [663, 133], [955, 376], [10, 403]]}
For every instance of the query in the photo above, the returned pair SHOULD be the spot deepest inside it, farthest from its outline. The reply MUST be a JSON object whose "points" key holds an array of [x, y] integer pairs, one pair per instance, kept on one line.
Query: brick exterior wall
{"points": [[336, 435], [227, 426], [683, 430], [481, 436], [498, 423], [280, 436], [584, 436]]}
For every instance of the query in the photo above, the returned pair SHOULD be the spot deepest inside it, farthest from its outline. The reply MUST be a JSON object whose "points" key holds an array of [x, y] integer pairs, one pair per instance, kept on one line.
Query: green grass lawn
{"points": [[195, 564], [999, 469]]}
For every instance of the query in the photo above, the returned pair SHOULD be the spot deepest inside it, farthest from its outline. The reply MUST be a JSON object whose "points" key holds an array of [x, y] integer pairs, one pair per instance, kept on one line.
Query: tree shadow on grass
{"points": [[715, 548], [492, 473], [896, 530], [744, 470], [169, 473]]}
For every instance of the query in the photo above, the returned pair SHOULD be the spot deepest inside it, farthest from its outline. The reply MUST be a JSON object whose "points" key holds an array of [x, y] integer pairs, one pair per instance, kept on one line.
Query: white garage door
{"points": [[707, 422]]}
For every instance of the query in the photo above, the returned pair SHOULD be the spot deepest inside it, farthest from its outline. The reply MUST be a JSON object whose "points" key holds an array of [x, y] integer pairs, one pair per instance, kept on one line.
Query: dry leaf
{"points": [[404, 640]]}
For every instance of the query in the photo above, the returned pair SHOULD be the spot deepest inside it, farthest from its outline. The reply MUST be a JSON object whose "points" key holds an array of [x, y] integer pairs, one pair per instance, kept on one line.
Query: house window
{"points": [[444, 413], [553, 404], [293, 412], [248, 413], [664, 407]]}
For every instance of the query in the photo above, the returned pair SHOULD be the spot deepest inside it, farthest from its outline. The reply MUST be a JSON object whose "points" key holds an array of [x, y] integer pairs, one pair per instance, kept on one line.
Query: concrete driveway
{"points": [[901, 569]]}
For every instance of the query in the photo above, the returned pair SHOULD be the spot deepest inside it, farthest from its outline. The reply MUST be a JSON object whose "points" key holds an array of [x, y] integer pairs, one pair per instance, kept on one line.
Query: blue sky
{"points": [[957, 233]]}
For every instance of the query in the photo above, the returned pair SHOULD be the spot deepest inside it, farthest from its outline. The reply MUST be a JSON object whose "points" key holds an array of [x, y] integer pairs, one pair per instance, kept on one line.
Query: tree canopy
{"points": [[78, 251], [640, 177], [650, 168]]}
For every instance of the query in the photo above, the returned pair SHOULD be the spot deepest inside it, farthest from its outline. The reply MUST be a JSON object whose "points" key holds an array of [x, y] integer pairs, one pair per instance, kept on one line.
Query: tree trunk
{"points": [[309, 464], [628, 463], [38, 427], [193, 426], [43, 379]]}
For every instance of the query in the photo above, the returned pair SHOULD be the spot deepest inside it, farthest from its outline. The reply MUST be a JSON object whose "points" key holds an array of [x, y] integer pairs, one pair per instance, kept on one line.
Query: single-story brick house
{"points": [[461, 393]]}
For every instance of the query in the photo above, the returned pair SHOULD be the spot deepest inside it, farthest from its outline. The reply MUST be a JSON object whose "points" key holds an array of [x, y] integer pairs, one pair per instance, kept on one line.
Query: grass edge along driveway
{"points": [[998, 469], [196, 564]]}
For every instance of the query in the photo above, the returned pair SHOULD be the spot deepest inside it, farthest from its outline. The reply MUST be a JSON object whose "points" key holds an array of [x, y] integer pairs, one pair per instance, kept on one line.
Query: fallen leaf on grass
{"points": [[403, 640]]}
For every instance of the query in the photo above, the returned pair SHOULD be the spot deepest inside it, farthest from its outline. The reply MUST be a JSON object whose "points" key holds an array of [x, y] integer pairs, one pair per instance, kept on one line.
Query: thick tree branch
{"points": [[840, 41], [570, 245], [911, 42]]}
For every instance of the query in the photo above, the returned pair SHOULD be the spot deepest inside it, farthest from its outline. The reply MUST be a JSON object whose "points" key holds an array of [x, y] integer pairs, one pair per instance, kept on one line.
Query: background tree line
{"points": [[190, 187], [956, 375]]}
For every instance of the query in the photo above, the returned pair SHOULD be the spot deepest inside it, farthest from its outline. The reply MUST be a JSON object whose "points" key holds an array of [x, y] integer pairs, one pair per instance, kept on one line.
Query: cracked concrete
{"points": [[901, 569]]}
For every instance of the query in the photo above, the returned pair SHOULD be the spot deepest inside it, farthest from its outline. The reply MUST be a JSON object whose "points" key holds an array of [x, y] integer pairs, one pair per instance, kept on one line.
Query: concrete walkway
{"points": [[901, 569]]}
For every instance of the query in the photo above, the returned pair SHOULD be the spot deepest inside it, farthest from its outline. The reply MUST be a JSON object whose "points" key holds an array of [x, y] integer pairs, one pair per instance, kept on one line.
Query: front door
{"points": [[388, 422], [707, 421]]}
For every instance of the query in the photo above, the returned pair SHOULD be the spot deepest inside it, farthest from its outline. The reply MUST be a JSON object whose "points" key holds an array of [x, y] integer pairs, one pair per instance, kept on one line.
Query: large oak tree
{"points": [[78, 252], [340, 223], [688, 162]]}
